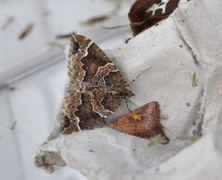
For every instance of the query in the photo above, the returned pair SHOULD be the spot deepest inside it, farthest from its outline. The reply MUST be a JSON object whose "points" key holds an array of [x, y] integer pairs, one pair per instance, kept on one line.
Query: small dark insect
{"points": [[95, 20], [13, 125], [61, 36], [26, 31], [12, 88]]}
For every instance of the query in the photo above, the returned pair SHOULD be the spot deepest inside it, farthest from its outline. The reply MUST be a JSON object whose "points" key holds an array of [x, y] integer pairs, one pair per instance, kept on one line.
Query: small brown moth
{"points": [[146, 13], [142, 122], [96, 87]]}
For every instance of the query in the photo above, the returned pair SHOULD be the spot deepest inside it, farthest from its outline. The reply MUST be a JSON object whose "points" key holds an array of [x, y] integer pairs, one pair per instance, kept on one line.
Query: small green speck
{"points": [[194, 79], [55, 44], [189, 138], [158, 139], [188, 104]]}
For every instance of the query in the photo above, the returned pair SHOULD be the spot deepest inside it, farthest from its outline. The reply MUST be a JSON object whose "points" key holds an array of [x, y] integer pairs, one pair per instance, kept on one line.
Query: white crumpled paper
{"points": [[167, 57]]}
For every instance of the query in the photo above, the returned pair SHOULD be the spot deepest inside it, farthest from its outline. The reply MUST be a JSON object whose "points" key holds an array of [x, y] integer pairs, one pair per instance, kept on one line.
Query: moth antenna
{"points": [[127, 105], [139, 76], [131, 102]]}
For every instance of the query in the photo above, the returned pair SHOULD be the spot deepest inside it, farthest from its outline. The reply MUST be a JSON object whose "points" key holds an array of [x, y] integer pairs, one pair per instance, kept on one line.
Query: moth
{"points": [[96, 87], [146, 13], [142, 122]]}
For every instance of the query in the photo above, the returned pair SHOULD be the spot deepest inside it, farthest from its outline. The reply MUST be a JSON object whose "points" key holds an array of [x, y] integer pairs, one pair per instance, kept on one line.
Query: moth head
{"points": [[79, 44], [74, 46]]}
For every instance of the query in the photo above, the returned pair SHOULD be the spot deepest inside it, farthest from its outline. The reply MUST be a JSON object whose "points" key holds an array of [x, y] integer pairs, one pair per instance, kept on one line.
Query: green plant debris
{"points": [[158, 139], [194, 79], [58, 45], [13, 125], [189, 138], [9, 20], [188, 104]]}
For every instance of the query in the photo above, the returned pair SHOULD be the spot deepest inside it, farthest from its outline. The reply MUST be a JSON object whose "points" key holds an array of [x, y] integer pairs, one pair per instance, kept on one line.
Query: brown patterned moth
{"points": [[96, 87]]}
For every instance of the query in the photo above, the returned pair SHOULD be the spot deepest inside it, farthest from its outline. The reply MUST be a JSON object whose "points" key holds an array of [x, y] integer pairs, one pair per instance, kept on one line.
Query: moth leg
{"points": [[127, 105]]}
